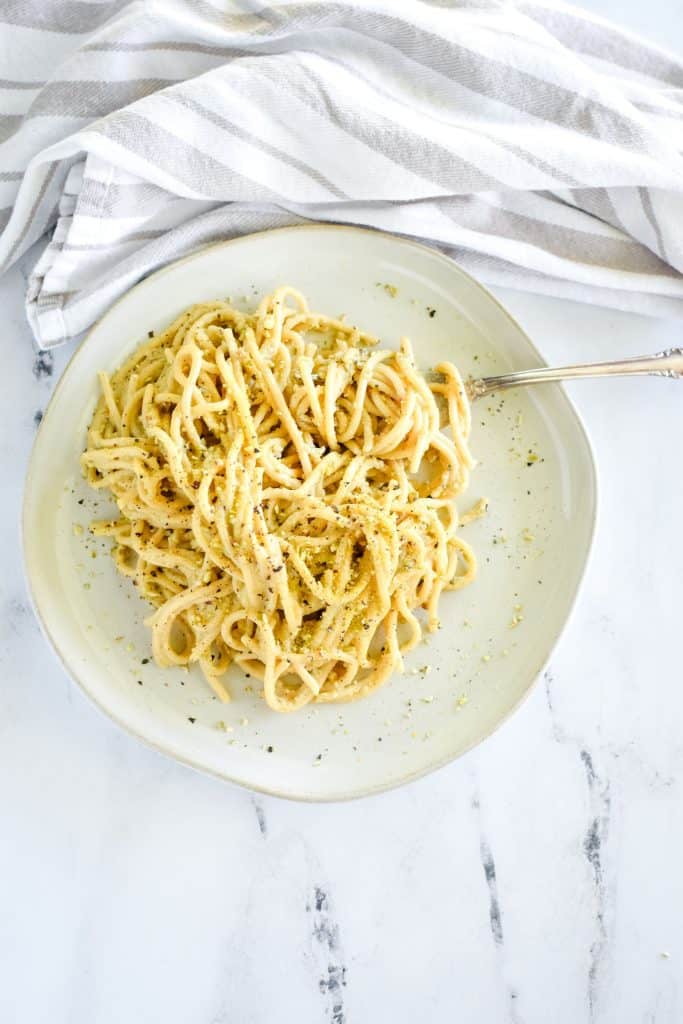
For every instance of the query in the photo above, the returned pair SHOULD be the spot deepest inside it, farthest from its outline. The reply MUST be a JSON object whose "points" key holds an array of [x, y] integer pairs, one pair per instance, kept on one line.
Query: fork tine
{"points": [[472, 386]]}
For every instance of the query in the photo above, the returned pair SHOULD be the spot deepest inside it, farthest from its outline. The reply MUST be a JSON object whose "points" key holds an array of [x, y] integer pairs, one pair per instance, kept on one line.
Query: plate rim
{"points": [[301, 796]]}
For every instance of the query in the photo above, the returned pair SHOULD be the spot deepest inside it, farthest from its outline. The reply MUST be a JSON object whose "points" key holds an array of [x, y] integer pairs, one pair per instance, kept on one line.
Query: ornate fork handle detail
{"points": [[663, 364], [676, 370]]}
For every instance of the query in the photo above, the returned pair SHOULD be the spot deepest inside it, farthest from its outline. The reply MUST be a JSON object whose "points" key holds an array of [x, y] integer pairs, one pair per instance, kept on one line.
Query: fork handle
{"points": [[664, 364]]}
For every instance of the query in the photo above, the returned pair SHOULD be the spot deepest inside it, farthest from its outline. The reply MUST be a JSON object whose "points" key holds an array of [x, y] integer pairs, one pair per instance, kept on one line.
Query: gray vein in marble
{"points": [[489, 866], [652, 777], [260, 816], [593, 841], [43, 365], [327, 950], [596, 834], [558, 732], [495, 915], [19, 616], [591, 777]]}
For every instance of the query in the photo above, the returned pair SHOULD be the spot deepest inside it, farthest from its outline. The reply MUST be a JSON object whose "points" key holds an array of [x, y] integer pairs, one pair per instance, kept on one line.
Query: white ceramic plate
{"points": [[535, 467]]}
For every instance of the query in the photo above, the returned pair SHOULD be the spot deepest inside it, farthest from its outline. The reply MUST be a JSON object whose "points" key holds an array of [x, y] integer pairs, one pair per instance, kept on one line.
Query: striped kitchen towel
{"points": [[539, 146]]}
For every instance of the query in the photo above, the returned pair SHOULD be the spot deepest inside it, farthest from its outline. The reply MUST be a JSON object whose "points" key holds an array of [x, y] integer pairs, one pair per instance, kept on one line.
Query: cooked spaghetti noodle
{"points": [[285, 496]]}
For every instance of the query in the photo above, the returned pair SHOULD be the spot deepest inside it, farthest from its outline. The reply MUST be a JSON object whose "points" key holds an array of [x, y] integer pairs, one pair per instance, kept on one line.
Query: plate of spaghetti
{"points": [[282, 546]]}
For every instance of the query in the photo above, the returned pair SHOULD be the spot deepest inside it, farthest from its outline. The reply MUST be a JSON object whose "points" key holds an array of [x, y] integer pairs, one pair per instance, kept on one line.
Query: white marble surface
{"points": [[537, 880]]}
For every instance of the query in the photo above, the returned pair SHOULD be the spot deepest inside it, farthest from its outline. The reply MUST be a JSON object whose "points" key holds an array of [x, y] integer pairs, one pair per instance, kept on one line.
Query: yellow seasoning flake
{"points": [[427, 700], [486, 657], [78, 530], [461, 701], [516, 619], [527, 536], [244, 721]]}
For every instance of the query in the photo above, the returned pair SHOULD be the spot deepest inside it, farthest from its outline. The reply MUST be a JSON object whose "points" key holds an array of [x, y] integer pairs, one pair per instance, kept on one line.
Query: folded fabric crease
{"points": [[539, 146]]}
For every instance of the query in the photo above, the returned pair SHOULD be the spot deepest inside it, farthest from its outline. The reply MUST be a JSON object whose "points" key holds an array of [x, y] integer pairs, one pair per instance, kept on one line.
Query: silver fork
{"points": [[663, 364]]}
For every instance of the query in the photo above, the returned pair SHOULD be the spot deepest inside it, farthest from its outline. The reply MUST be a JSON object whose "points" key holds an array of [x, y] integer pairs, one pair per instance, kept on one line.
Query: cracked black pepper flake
{"points": [[193, 720]]}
